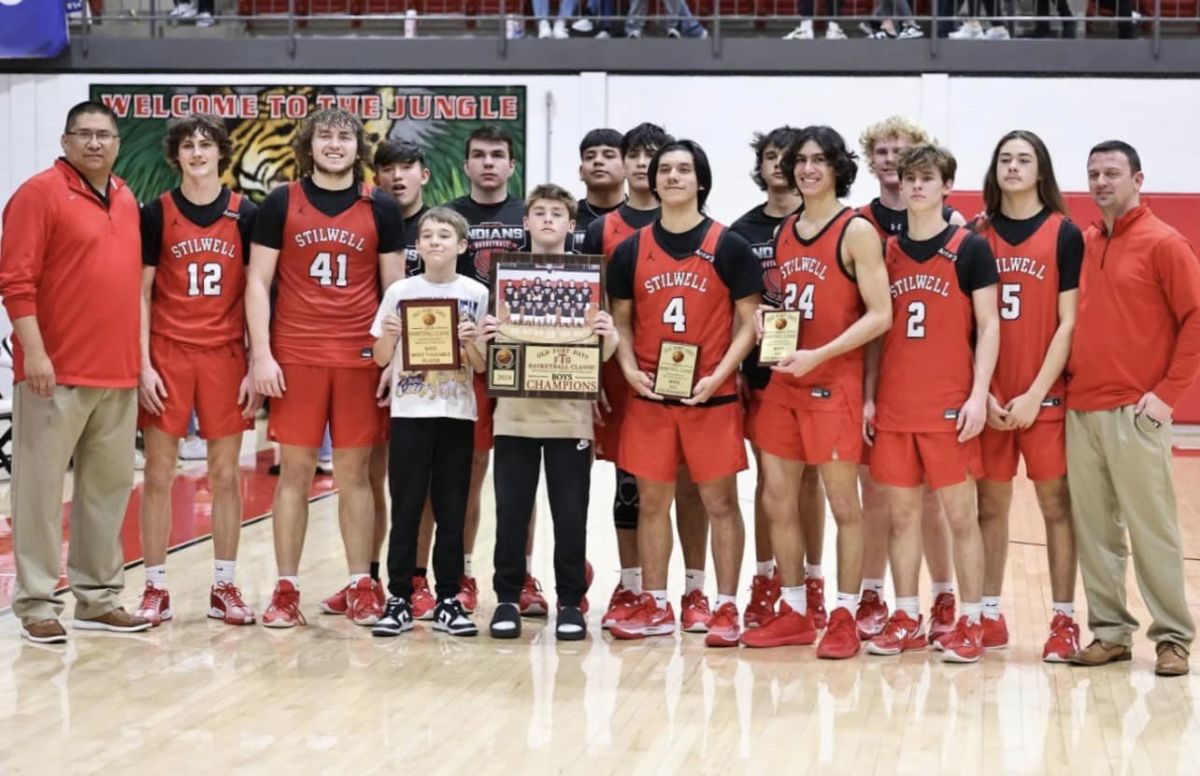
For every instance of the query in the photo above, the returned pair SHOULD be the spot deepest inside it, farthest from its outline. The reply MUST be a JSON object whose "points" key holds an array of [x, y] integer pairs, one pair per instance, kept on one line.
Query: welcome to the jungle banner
{"points": [[263, 119]]}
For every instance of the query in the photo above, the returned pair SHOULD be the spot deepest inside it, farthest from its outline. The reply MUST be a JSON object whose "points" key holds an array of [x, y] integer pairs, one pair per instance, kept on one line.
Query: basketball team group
{"points": [[937, 352]]}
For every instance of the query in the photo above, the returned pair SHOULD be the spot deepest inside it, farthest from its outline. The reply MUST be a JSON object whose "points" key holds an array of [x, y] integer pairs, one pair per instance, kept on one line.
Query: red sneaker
{"points": [[1063, 641], [422, 601], [334, 604], [362, 602], [620, 606], [225, 603], [764, 594], [995, 633], [468, 593], [872, 615], [841, 637], [941, 617], [155, 606], [965, 642], [284, 611], [694, 612], [815, 590], [646, 619], [786, 629], [723, 627], [901, 634], [532, 602]]}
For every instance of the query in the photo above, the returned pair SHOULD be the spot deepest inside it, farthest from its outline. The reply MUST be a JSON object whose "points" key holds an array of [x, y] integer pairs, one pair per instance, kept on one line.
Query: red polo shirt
{"points": [[74, 261]]}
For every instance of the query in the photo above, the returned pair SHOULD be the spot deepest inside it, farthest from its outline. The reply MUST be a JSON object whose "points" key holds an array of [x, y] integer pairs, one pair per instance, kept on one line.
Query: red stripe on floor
{"points": [[191, 514]]}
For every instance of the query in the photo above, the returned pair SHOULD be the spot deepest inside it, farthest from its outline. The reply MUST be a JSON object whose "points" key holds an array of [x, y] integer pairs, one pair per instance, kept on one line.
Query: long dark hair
{"points": [[833, 145], [1047, 185]]}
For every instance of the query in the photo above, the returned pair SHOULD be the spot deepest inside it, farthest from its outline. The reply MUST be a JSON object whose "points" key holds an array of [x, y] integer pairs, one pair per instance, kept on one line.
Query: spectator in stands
{"points": [[972, 28], [1042, 29], [807, 8], [71, 277], [541, 9], [681, 23], [201, 11], [890, 11]]}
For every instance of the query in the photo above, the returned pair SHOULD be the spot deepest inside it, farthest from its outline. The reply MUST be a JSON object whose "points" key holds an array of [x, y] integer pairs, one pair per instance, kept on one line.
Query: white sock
{"points": [[726, 599], [764, 568], [1064, 608], [910, 606], [223, 571], [157, 576], [467, 572], [943, 587], [660, 597], [355, 577], [294, 580], [972, 611], [848, 601], [875, 585], [991, 607], [796, 598], [631, 579], [693, 579], [812, 572]]}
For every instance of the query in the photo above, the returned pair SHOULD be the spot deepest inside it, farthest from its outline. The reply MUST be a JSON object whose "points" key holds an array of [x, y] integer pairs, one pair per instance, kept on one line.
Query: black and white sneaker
{"points": [[397, 618], [506, 622], [571, 625], [449, 616]]}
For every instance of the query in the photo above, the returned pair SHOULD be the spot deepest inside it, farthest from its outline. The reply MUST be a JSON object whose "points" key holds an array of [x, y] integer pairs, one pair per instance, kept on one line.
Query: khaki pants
{"points": [[97, 427], [1119, 471]]}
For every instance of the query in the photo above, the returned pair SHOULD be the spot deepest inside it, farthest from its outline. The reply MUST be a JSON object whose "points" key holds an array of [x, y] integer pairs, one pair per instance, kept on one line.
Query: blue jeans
{"points": [[688, 26], [566, 9]]}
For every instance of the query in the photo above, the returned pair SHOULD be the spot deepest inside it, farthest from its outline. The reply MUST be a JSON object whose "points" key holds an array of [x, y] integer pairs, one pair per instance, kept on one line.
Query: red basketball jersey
{"points": [[866, 212], [682, 300], [814, 281], [328, 273], [927, 368], [615, 231], [200, 280], [1028, 313]]}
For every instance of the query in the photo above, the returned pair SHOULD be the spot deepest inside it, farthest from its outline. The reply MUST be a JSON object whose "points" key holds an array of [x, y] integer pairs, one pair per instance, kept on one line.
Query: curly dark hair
{"points": [[781, 138], [207, 125], [338, 119], [833, 145]]}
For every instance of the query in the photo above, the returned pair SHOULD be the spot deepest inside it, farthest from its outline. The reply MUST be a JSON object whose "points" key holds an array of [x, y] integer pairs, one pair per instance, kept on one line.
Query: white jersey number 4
{"points": [[674, 316]]}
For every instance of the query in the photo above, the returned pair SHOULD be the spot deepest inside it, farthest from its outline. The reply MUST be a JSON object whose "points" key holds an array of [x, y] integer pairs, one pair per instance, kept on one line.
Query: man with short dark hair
{"points": [[1135, 351], [602, 170], [70, 275]]}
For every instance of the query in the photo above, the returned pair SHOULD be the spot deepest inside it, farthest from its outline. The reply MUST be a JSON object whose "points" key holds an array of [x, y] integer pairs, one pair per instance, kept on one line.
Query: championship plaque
{"points": [[675, 376], [545, 345], [781, 335], [429, 340]]}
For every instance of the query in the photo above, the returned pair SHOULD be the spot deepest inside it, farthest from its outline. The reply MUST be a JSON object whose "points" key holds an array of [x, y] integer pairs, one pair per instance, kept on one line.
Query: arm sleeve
{"points": [[1070, 256], [152, 232], [248, 214], [593, 242], [268, 226], [738, 268], [1178, 270], [24, 238], [976, 266], [621, 266], [389, 222]]}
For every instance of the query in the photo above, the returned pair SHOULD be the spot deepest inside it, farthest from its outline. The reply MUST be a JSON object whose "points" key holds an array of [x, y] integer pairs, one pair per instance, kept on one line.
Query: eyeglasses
{"points": [[103, 137]]}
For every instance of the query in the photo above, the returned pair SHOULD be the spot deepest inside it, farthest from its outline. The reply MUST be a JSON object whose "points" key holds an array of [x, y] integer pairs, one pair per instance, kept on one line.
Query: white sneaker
{"points": [[967, 32], [998, 32], [205, 20], [560, 30], [182, 11], [583, 25], [543, 29], [803, 32], [193, 449], [603, 35], [834, 32], [139, 460], [910, 31]]}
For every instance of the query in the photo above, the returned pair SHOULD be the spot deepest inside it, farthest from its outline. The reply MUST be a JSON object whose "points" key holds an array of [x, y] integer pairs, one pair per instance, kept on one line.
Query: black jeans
{"points": [[518, 464], [429, 457]]}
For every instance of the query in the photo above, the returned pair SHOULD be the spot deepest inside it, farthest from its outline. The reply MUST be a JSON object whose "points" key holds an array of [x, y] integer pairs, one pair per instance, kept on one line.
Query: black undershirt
{"points": [[389, 221], [202, 216], [593, 243], [585, 214], [1070, 243], [975, 267], [734, 262]]}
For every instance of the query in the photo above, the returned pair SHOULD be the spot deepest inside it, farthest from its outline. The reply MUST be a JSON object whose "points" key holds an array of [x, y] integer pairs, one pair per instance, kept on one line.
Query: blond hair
{"points": [[552, 193], [891, 128], [451, 218]]}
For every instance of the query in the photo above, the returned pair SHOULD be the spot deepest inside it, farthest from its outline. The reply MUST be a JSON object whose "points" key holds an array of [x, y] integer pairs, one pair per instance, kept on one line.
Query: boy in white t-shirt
{"points": [[562, 429], [433, 426]]}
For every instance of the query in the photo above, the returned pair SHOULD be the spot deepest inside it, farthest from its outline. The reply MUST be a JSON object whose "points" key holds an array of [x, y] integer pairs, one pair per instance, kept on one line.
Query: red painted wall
{"points": [[1181, 211]]}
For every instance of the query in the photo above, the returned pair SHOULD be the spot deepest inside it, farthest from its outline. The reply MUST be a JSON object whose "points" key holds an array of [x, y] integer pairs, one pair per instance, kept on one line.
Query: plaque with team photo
{"points": [[675, 375], [429, 334], [780, 337], [545, 344]]}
